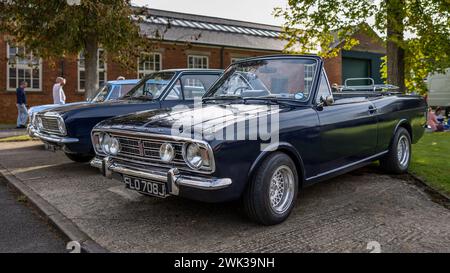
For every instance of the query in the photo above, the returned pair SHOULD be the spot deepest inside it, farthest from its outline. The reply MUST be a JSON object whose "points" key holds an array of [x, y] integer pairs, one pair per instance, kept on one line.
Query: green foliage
{"points": [[54, 29], [426, 26]]}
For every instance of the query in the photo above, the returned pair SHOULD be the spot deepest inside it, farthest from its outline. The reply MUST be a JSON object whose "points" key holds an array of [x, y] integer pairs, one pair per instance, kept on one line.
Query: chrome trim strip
{"points": [[173, 176], [52, 138], [133, 134], [347, 166]]}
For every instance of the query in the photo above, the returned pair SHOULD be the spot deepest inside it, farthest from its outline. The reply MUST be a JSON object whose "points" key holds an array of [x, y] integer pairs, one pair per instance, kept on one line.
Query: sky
{"points": [[257, 11]]}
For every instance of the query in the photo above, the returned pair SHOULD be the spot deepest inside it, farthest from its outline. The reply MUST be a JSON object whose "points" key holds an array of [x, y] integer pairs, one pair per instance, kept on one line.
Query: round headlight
{"points": [[106, 143], [61, 126], [194, 155], [166, 152], [114, 146]]}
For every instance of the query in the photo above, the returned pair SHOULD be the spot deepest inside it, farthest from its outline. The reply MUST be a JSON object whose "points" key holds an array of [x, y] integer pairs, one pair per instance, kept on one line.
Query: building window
{"points": [[101, 69], [148, 63], [195, 61], [309, 74], [23, 66]]}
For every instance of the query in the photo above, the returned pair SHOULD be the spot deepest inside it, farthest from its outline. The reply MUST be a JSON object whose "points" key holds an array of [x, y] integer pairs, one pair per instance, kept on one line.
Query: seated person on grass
{"points": [[433, 122]]}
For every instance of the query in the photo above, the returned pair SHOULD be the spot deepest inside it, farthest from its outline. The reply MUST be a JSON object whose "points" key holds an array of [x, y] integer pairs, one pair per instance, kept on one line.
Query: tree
{"points": [[416, 32], [58, 28]]}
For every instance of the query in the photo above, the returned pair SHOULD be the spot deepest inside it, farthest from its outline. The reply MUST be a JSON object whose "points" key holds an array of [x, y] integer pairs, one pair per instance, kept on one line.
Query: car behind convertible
{"points": [[112, 90], [69, 127]]}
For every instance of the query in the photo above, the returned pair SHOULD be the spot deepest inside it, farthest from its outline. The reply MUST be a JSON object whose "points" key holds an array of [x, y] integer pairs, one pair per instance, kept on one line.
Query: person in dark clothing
{"points": [[22, 115]]}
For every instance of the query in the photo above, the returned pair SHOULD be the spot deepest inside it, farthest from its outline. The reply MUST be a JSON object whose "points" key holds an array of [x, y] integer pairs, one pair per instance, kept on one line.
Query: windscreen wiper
{"points": [[273, 100], [234, 97]]}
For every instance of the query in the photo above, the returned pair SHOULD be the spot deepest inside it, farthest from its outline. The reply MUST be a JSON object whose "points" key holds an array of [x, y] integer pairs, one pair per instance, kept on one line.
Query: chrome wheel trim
{"points": [[281, 189], [403, 151]]}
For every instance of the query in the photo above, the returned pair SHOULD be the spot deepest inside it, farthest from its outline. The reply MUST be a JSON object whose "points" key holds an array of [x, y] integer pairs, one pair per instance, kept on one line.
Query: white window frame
{"points": [[308, 76], [104, 69], [146, 72], [22, 66], [195, 57]]}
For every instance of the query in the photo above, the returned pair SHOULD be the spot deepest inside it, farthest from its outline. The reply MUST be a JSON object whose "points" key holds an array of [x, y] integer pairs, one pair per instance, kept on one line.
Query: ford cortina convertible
{"points": [[69, 127], [267, 128]]}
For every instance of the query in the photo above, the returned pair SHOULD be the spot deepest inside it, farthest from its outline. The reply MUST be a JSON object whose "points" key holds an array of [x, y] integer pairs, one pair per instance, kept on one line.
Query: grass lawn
{"points": [[431, 160], [16, 138]]}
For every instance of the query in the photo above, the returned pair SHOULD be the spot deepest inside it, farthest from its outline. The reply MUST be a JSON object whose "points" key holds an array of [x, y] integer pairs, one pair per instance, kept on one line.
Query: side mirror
{"points": [[324, 102], [329, 100]]}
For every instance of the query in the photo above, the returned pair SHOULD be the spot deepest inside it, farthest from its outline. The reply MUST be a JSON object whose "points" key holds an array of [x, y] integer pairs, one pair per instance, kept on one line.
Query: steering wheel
{"points": [[241, 88]]}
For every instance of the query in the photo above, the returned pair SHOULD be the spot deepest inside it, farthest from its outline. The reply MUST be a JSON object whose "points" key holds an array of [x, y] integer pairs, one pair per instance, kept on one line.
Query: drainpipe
{"points": [[61, 65], [222, 50]]}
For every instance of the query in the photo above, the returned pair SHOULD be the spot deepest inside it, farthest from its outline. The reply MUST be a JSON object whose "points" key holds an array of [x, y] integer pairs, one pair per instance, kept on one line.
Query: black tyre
{"points": [[80, 157], [397, 160], [271, 195]]}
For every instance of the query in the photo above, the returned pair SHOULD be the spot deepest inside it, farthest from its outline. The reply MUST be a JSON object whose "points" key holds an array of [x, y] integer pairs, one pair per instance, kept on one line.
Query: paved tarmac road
{"points": [[341, 215], [22, 230], [4, 133]]}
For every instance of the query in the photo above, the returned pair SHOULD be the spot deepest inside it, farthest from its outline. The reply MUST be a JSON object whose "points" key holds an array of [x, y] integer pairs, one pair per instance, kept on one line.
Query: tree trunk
{"points": [[395, 53], [90, 67]]}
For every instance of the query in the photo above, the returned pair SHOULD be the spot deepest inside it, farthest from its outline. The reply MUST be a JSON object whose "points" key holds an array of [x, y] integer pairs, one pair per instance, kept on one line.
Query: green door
{"points": [[355, 68]]}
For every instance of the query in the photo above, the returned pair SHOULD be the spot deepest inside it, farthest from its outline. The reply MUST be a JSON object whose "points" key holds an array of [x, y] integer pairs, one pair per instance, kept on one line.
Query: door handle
{"points": [[372, 110]]}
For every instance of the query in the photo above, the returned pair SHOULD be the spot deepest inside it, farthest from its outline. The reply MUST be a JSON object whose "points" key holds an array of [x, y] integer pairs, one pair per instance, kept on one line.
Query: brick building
{"points": [[191, 41], [362, 61]]}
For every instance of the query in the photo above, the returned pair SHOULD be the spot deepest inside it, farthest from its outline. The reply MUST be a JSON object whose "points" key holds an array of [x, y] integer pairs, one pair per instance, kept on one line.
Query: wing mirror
{"points": [[325, 102], [329, 100]]}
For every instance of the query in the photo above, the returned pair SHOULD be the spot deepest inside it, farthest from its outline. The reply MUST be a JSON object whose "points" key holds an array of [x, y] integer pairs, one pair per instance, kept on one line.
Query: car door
{"points": [[348, 129], [187, 88]]}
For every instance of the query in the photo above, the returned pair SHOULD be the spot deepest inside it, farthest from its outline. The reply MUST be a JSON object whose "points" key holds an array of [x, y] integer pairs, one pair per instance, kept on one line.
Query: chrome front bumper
{"points": [[30, 130], [172, 177], [51, 138]]}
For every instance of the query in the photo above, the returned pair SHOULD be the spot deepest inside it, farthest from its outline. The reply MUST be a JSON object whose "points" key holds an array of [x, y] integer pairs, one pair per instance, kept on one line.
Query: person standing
{"points": [[22, 115], [58, 93]]}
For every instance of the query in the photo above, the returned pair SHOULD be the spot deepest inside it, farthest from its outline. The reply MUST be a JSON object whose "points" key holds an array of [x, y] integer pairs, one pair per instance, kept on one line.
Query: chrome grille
{"points": [[50, 124], [147, 151]]}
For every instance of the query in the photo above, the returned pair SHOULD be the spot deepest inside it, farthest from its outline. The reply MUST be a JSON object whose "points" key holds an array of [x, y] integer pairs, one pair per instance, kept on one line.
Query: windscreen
{"points": [[152, 86], [290, 78]]}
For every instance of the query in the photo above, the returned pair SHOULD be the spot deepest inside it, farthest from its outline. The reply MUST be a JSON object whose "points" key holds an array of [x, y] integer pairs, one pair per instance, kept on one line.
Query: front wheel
{"points": [[399, 156], [271, 195], [81, 158]]}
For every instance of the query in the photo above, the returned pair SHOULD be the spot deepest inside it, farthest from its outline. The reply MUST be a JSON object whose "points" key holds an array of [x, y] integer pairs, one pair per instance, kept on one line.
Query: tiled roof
{"points": [[181, 26], [212, 26]]}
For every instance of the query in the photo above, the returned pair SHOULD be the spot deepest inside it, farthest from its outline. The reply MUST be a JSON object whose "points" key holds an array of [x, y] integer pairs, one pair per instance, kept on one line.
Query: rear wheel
{"points": [[80, 157], [271, 195], [399, 156]]}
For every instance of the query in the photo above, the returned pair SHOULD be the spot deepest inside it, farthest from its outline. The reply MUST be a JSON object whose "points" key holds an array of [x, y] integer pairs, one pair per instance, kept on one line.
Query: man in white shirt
{"points": [[58, 93]]}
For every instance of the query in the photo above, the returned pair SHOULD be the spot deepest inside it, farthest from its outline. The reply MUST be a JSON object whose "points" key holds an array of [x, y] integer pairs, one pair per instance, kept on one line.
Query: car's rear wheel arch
{"points": [[404, 123]]}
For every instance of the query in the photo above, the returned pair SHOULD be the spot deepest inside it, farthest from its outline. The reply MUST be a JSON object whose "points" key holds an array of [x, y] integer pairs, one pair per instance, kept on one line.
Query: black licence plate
{"points": [[146, 187]]}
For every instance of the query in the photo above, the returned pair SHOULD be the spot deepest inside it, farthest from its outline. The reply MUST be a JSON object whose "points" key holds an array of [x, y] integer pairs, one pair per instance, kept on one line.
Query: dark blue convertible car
{"points": [[268, 127], [69, 127]]}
